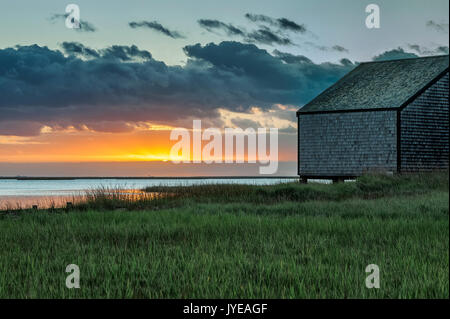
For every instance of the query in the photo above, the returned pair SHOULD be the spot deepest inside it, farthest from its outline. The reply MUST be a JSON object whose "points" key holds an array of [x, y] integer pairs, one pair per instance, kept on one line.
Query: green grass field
{"points": [[222, 241]]}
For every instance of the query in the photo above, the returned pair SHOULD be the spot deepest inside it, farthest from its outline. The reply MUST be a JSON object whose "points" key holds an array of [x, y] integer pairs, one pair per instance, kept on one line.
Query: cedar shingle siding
{"points": [[424, 130], [348, 144], [389, 116]]}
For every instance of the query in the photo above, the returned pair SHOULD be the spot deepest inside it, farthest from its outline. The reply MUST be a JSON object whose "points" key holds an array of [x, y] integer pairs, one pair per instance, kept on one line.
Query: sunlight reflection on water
{"points": [[56, 193]]}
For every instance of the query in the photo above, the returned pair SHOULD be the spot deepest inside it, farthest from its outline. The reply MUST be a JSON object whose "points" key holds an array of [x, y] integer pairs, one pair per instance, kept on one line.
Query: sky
{"points": [[112, 91]]}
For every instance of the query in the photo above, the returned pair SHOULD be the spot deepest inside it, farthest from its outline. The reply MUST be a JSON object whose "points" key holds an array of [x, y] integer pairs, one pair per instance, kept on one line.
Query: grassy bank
{"points": [[284, 241]]}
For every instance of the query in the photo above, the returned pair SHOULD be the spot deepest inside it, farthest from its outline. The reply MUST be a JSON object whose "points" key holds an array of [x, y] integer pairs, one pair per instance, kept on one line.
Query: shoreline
{"points": [[45, 178]]}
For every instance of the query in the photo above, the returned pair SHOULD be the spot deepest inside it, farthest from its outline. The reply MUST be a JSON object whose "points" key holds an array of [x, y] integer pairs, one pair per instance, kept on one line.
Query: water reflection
{"points": [[24, 202], [15, 202]]}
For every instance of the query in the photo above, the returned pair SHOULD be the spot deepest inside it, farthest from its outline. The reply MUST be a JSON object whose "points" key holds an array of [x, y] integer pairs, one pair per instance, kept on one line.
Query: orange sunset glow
{"points": [[79, 146], [133, 142], [70, 145]]}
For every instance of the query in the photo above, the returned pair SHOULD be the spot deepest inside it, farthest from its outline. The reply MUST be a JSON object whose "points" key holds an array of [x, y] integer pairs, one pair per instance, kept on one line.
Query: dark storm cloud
{"points": [[121, 52], [437, 26], [291, 58], [442, 50], [426, 51], [339, 48], [263, 35], [276, 34], [281, 23], [266, 36], [295, 59], [229, 29], [267, 77], [79, 49], [154, 25], [415, 47], [400, 53], [43, 86], [85, 26], [125, 53], [291, 25], [394, 54]]}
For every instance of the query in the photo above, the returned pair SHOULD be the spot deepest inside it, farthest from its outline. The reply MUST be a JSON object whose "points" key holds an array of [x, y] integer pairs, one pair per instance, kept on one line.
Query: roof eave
{"points": [[349, 110]]}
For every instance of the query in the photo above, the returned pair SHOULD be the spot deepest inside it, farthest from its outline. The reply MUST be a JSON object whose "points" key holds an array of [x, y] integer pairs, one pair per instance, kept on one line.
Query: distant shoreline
{"points": [[43, 178]]}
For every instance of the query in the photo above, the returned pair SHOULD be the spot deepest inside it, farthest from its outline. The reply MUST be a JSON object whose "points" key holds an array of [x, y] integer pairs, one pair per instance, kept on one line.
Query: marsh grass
{"points": [[162, 196], [234, 241], [365, 187], [118, 198]]}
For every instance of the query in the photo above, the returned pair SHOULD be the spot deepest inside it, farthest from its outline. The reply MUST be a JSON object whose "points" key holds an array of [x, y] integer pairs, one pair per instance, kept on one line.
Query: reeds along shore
{"points": [[365, 187]]}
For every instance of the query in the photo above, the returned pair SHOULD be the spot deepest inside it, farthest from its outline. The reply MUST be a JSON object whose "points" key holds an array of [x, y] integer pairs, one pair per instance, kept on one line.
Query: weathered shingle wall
{"points": [[424, 130], [347, 144]]}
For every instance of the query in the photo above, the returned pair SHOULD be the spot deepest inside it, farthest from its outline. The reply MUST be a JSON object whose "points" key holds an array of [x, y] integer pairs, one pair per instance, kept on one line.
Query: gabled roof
{"points": [[379, 85]]}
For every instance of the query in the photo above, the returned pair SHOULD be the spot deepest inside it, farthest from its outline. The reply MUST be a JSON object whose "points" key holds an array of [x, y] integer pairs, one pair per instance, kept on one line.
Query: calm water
{"points": [[25, 193]]}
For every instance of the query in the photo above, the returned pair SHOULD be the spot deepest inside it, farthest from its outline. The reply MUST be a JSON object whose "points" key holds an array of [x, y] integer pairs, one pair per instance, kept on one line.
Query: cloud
{"points": [[299, 59], [281, 23], [394, 54], [280, 116], [20, 128], [112, 89], [260, 18], [415, 47], [291, 25], [347, 62], [442, 50], [339, 48], [266, 36], [121, 52], [441, 27], [245, 123], [262, 35], [46, 87], [125, 53], [400, 53], [291, 58], [85, 26], [426, 51], [79, 49], [229, 29], [276, 34], [335, 48], [154, 25]]}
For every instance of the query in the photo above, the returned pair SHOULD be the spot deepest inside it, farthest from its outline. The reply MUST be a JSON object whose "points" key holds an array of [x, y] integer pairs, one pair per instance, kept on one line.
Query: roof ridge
{"points": [[403, 59], [330, 87], [367, 88]]}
